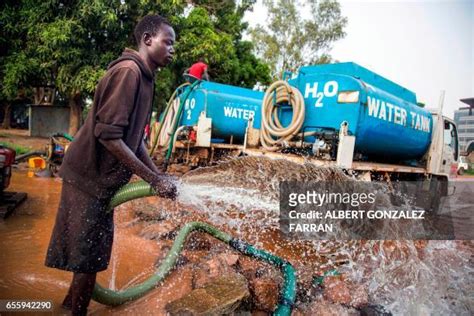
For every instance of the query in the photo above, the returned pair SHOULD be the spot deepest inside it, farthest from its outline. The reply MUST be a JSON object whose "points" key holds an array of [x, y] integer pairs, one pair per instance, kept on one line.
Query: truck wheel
{"points": [[461, 171], [439, 189]]}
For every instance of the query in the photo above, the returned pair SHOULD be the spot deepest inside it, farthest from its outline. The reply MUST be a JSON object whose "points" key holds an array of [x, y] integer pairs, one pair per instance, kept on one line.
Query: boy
{"points": [[106, 151]]}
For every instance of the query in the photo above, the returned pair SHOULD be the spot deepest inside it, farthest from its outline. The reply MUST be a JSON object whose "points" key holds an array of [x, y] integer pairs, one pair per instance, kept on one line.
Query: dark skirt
{"points": [[83, 233]]}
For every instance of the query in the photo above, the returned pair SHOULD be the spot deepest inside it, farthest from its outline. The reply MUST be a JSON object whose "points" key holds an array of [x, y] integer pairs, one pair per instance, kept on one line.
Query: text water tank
{"points": [[385, 118], [229, 108]]}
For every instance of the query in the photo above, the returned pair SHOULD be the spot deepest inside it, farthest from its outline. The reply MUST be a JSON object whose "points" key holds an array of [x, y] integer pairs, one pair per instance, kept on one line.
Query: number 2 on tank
{"points": [[189, 106]]}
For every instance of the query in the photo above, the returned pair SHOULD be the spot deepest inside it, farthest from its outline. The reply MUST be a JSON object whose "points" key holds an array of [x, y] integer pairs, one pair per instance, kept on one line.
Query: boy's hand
{"points": [[165, 186]]}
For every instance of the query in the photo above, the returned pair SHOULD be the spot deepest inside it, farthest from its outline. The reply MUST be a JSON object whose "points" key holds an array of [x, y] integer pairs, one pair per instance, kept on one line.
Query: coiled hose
{"points": [[142, 189], [272, 133], [165, 135], [167, 120], [176, 120]]}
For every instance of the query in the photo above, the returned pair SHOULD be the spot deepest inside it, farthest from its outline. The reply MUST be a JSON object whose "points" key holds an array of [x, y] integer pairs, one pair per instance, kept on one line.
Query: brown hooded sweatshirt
{"points": [[121, 109]]}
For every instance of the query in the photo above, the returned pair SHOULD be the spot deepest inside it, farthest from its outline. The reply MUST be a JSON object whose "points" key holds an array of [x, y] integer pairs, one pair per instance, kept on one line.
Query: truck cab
{"points": [[443, 155]]}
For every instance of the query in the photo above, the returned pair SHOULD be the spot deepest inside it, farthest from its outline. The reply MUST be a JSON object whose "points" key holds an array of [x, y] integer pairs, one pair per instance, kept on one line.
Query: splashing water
{"points": [[407, 277], [219, 201], [433, 277], [113, 263]]}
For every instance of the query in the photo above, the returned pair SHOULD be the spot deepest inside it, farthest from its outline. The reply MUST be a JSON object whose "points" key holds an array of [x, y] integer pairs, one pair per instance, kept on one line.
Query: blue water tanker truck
{"points": [[341, 115]]}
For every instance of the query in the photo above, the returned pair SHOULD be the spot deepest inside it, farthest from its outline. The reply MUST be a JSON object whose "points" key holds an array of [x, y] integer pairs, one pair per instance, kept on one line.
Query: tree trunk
{"points": [[7, 116], [75, 115]]}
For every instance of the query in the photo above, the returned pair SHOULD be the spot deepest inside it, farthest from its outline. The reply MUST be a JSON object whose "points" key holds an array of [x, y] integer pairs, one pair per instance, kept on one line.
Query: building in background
{"points": [[464, 118]]}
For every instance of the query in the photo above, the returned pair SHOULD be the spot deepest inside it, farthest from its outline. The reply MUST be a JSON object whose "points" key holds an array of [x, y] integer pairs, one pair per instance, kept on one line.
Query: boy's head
{"points": [[155, 37]]}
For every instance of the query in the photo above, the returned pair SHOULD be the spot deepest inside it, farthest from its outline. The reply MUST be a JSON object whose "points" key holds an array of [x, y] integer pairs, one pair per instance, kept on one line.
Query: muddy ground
{"points": [[374, 277], [21, 137]]}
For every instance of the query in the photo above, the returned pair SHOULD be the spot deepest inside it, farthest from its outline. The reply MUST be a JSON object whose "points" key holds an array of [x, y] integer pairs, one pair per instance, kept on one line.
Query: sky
{"points": [[424, 45]]}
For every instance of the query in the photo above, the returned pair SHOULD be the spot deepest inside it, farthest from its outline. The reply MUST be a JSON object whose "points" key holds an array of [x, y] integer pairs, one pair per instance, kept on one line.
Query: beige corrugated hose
{"points": [[162, 136], [167, 125], [272, 133]]}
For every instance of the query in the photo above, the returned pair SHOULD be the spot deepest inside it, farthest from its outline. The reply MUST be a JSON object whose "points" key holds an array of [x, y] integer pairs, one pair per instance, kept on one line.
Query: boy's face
{"points": [[160, 46]]}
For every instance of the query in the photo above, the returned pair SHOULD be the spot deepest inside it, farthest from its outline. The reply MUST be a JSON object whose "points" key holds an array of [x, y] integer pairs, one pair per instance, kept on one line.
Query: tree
{"points": [[74, 41], [230, 59], [69, 43], [289, 41], [16, 68]]}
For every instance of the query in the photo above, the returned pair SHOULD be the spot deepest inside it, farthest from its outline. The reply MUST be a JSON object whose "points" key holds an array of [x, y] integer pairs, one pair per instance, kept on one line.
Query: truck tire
{"points": [[461, 171], [438, 191]]}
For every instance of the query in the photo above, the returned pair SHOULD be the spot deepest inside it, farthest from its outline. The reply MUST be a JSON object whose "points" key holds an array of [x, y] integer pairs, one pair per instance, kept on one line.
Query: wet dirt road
{"points": [[24, 238], [432, 277]]}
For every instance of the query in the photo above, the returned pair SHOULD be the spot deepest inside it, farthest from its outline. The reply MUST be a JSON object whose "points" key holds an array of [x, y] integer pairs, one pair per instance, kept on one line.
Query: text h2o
{"points": [[329, 90]]}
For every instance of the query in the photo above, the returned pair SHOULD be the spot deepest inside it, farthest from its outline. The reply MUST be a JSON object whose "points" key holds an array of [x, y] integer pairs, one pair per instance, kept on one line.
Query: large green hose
{"points": [[130, 192], [288, 290], [179, 113], [167, 108], [142, 189]]}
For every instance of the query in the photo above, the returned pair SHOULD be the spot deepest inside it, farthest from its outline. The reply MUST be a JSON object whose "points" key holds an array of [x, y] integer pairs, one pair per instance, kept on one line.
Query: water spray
{"points": [[142, 189]]}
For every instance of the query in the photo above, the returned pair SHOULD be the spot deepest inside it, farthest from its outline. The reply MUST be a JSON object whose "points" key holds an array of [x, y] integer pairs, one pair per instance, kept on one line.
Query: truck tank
{"points": [[383, 116], [229, 108]]}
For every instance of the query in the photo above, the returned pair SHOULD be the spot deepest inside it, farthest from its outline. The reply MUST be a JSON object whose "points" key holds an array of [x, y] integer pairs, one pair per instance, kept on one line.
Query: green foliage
{"points": [[289, 41], [69, 43], [20, 150], [15, 65], [212, 31]]}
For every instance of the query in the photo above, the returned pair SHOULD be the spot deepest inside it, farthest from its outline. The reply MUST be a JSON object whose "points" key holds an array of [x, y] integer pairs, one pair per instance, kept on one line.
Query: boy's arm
{"points": [[142, 154], [205, 76], [162, 185], [118, 93]]}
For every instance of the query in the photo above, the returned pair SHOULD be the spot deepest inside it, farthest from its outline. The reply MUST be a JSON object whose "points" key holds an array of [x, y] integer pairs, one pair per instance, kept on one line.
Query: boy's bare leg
{"points": [[80, 292], [67, 303]]}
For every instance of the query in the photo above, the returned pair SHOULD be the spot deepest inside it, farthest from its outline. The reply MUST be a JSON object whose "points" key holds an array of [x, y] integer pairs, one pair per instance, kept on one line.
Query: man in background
{"points": [[198, 71]]}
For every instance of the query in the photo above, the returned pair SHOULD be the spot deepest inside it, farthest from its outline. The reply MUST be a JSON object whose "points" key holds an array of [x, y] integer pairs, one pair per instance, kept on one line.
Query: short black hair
{"points": [[149, 24]]}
